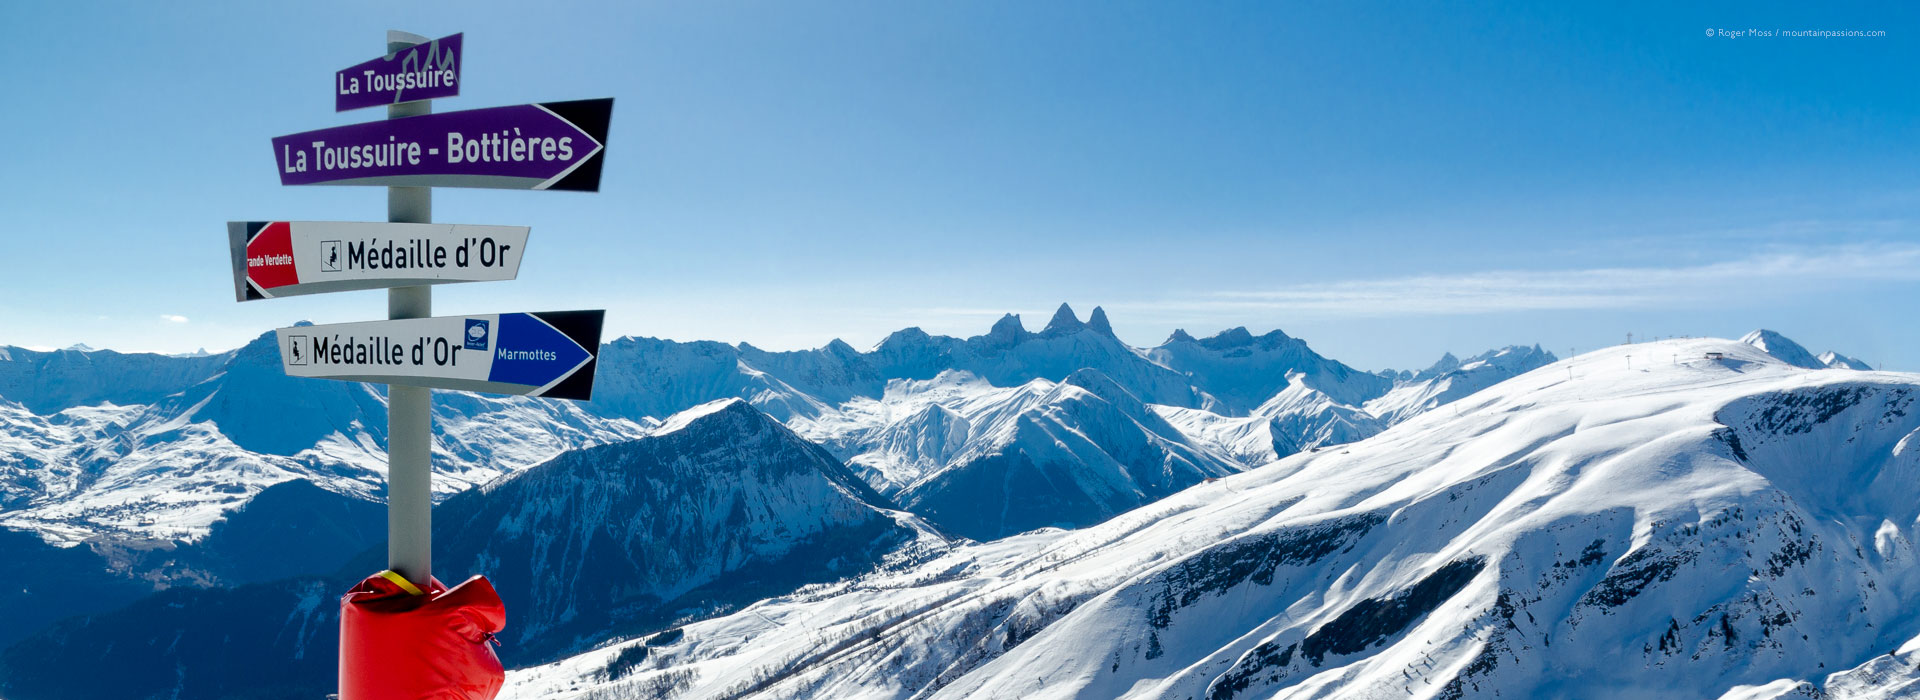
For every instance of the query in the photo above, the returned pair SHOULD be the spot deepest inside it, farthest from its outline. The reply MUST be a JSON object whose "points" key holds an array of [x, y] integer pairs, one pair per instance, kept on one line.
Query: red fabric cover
{"points": [[398, 646]]}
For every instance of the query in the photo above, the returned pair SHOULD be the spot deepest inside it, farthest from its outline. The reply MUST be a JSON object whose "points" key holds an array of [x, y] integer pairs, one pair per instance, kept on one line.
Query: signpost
{"points": [[547, 146], [287, 258], [549, 354], [421, 71]]}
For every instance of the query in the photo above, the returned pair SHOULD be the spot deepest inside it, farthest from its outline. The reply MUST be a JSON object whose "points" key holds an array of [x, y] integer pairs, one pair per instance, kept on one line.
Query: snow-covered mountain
{"points": [[46, 383], [948, 417], [111, 448], [1891, 676], [1783, 349], [90, 441], [92, 451], [1298, 419], [1068, 455], [647, 377], [1009, 355], [1243, 371], [1834, 360], [1689, 529], [289, 529], [719, 508], [1450, 380], [156, 468], [213, 431]]}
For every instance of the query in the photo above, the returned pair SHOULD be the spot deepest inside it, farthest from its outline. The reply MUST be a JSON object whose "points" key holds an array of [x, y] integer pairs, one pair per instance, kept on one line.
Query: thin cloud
{"points": [[173, 318], [1767, 275]]}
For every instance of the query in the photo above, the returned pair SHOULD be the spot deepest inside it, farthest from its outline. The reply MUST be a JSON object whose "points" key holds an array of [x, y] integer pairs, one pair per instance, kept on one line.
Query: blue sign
{"points": [[477, 334], [532, 350]]}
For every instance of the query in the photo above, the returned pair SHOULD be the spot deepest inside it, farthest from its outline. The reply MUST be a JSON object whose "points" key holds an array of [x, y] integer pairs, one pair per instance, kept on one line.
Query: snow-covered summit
{"points": [[1590, 528], [100, 428], [1834, 360], [679, 421], [1797, 355], [656, 526], [1783, 348]]}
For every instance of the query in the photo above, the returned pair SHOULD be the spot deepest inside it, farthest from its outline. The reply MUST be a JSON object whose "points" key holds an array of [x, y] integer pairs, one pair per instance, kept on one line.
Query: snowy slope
{"points": [[169, 469], [1066, 455], [1297, 419], [1782, 348], [1669, 530], [1891, 676], [985, 460], [96, 445], [610, 538], [1834, 360], [721, 507]]}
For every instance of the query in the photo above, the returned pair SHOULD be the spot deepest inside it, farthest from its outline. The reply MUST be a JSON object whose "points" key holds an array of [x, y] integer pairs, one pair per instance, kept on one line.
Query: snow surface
{"points": [[104, 444], [1893, 676], [1834, 360], [1450, 380], [169, 468], [1698, 528], [1782, 348], [717, 503]]}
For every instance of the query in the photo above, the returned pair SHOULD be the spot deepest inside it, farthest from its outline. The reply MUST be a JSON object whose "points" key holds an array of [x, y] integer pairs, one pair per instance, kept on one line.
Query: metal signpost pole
{"points": [[409, 408], [557, 146]]}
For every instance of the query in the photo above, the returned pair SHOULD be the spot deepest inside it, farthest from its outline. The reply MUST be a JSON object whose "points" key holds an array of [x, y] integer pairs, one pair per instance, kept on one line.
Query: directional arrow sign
{"points": [[422, 72], [547, 146], [550, 354], [287, 258]]}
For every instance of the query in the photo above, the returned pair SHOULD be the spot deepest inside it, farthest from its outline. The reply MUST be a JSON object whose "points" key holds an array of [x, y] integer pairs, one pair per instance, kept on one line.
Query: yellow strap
{"points": [[402, 582]]}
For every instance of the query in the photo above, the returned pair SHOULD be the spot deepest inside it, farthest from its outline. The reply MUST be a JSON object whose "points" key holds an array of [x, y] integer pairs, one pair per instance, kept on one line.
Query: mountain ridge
{"points": [[1654, 530]]}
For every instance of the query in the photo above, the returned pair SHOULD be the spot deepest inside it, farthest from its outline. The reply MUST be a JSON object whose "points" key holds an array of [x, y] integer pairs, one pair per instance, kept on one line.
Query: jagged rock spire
{"points": [[1007, 327], [1098, 321], [1063, 321]]}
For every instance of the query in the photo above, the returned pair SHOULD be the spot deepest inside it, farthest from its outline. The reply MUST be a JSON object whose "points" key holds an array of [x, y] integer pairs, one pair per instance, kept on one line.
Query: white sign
{"points": [[534, 354], [287, 258]]}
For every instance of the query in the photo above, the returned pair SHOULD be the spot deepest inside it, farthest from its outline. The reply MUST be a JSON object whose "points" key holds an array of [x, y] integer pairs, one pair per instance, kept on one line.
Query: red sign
{"points": [[270, 256]]}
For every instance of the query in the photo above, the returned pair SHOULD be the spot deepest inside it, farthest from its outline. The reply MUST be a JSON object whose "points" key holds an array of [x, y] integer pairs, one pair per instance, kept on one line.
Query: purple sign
{"points": [[546, 146], [422, 72]]}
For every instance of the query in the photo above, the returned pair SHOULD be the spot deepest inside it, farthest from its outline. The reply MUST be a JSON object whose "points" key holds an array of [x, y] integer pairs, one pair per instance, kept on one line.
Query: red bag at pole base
{"points": [[400, 642]]}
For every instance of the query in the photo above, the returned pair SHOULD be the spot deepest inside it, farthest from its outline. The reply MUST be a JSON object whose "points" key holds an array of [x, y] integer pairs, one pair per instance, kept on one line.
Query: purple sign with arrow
{"points": [[422, 72], [546, 146]]}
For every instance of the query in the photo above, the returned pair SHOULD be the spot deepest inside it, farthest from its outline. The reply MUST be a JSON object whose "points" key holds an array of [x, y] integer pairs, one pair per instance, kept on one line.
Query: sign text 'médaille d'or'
{"points": [[288, 258], [548, 354]]}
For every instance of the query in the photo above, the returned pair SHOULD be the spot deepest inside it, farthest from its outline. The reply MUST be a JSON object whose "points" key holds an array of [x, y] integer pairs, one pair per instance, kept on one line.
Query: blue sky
{"points": [[1389, 181]]}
